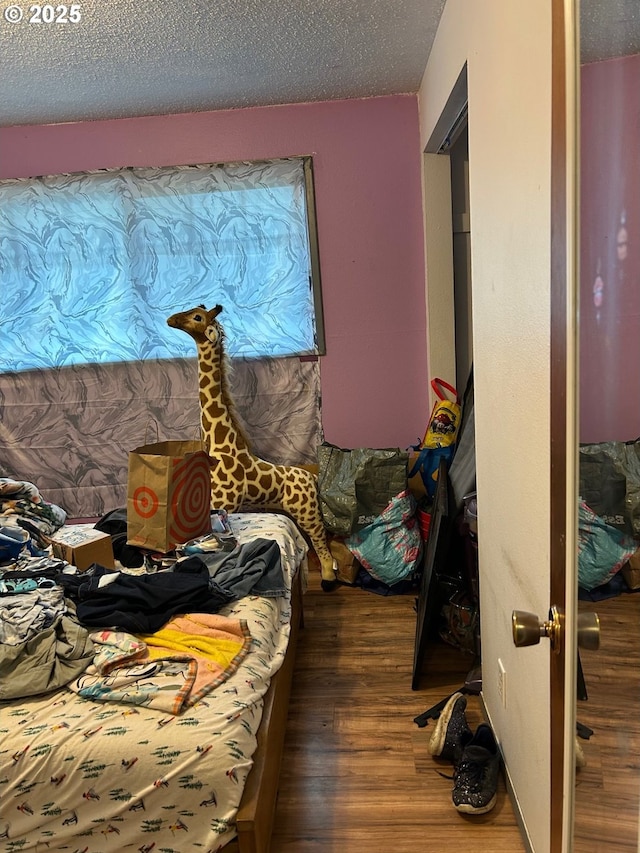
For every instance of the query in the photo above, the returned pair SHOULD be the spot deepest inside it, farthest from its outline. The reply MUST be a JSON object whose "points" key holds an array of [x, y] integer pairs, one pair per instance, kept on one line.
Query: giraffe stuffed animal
{"points": [[238, 478]]}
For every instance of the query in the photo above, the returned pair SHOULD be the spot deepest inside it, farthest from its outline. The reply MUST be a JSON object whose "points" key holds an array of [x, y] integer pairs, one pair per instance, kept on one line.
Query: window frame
{"points": [[314, 253]]}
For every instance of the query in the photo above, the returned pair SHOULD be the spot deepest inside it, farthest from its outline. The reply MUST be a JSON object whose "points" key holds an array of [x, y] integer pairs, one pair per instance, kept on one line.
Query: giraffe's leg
{"points": [[305, 510], [328, 565]]}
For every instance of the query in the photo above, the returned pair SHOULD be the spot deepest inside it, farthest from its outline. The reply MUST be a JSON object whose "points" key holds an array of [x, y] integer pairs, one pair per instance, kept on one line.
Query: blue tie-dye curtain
{"points": [[88, 367], [92, 265]]}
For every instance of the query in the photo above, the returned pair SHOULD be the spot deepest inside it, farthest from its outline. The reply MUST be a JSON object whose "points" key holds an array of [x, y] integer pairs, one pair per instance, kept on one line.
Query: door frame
{"points": [[563, 415]]}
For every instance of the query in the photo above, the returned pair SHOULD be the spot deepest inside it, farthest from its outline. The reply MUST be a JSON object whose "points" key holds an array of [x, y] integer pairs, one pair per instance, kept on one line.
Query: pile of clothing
{"points": [[49, 613], [26, 518]]}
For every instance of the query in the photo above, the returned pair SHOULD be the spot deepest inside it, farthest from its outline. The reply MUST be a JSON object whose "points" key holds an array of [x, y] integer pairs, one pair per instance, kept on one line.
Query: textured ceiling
{"points": [[144, 57]]}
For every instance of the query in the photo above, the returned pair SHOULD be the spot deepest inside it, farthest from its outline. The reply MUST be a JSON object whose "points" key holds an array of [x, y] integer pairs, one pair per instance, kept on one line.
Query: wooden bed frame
{"points": [[254, 821]]}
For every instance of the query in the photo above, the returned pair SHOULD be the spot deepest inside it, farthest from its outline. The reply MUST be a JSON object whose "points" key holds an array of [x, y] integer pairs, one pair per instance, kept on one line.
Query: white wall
{"points": [[507, 47]]}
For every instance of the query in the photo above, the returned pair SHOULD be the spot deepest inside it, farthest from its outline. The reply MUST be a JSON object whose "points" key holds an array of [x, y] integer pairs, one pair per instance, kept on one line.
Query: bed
{"points": [[89, 776]]}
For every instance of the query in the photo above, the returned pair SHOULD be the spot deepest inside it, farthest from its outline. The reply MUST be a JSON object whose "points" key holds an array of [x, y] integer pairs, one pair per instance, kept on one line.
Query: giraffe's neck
{"points": [[220, 430]]}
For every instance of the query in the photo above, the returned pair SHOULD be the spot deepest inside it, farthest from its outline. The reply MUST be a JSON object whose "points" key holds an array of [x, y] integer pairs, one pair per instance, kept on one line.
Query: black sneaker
{"points": [[451, 729], [475, 778]]}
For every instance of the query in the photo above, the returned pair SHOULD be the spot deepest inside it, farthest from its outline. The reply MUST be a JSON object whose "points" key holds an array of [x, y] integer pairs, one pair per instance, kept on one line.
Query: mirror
{"points": [[608, 785]]}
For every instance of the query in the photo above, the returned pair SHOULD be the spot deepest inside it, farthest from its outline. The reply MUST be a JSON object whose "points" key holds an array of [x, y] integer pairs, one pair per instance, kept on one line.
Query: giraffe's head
{"points": [[199, 323]]}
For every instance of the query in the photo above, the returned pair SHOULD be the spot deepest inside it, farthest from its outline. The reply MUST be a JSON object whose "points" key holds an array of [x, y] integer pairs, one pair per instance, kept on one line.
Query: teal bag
{"points": [[390, 547], [602, 549]]}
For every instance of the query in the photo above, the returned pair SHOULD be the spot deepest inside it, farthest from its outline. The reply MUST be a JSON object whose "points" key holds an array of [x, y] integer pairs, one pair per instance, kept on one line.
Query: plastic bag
{"points": [[460, 626], [356, 485], [602, 549], [440, 436], [390, 547]]}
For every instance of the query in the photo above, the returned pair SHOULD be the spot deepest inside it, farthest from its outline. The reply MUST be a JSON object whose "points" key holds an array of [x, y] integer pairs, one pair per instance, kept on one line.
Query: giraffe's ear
{"points": [[211, 333]]}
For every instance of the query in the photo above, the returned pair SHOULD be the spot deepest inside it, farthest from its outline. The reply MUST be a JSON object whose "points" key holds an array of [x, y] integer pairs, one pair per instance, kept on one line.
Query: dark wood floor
{"points": [[357, 776], [608, 788]]}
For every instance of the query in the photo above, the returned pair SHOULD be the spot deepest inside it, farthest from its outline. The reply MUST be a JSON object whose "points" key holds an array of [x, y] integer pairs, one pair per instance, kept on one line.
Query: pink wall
{"points": [[369, 209], [609, 264]]}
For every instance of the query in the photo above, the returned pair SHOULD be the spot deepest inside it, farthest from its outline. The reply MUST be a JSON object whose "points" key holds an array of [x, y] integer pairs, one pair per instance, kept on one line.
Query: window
{"points": [[92, 265]]}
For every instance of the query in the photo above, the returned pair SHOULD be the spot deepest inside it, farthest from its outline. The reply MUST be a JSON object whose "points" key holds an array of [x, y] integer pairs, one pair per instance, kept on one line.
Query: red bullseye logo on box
{"points": [[168, 494], [145, 502], [190, 501]]}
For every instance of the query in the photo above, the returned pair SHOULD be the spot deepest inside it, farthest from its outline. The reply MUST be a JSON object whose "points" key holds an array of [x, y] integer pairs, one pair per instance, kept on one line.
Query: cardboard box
{"points": [[348, 566], [81, 546], [631, 571]]}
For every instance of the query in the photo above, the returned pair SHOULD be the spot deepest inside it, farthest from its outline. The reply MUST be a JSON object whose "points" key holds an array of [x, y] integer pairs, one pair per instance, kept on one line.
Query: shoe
{"points": [[451, 728], [475, 778]]}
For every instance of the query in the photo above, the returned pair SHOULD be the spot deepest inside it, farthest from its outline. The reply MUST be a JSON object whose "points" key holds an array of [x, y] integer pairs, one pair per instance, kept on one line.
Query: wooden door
{"points": [[514, 59]]}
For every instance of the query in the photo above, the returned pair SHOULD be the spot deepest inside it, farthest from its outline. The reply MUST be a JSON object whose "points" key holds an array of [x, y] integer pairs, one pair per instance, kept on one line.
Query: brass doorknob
{"points": [[527, 628], [589, 631]]}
